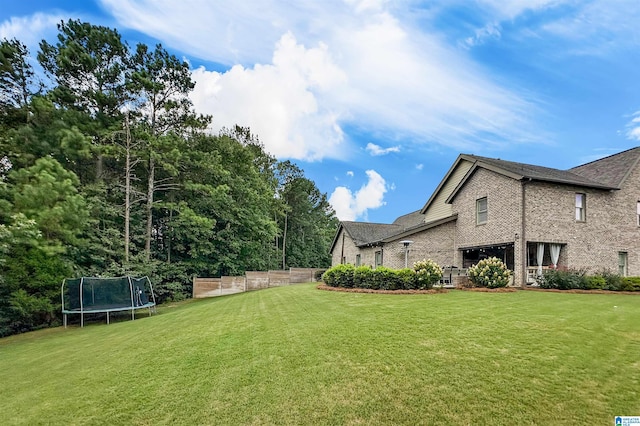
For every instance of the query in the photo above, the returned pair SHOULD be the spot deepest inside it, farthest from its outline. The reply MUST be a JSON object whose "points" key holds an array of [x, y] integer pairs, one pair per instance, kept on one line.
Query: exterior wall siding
{"points": [[346, 247], [504, 215], [438, 209], [610, 226], [435, 243]]}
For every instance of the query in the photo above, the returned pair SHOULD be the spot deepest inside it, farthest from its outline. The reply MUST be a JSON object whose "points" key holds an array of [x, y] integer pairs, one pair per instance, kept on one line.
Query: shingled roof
{"points": [[612, 170], [608, 173], [410, 220], [363, 233], [539, 173]]}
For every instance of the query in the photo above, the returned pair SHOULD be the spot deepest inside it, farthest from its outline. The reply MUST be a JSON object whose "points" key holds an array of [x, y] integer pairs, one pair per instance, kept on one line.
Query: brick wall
{"points": [[549, 210], [610, 226], [344, 247], [436, 244], [504, 213]]}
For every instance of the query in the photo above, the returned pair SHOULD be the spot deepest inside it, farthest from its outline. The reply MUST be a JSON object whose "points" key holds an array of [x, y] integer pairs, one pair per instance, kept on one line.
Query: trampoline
{"points": [[91, 295]]}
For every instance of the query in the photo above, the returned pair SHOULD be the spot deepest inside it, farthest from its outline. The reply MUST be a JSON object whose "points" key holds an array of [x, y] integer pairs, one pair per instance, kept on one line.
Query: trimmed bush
{"points": [[407, 278], [428, 273], [490, 273], [594, 282], [630, 284], [362, 277], [613, 281], [383, 278], [339, 276], [577, 279], [563, 279]]}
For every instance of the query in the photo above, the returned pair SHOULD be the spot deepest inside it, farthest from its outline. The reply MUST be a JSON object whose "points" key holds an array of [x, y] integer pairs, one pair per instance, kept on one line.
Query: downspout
{"points": [[342, 251], [523, 237]]}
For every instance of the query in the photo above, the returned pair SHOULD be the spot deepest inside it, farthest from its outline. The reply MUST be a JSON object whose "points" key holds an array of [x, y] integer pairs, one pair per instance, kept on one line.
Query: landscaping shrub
{"points": [[594, 282], [423, 276], [490, 273], [362, 277], [339, 276], [613, 281], [407, 278], [563, 279], [630, 284], [384, 279], [428, 273]]}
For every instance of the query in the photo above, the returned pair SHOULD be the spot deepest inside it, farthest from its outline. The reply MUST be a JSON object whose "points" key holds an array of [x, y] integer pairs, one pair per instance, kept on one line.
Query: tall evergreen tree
{"points": [[89, 66]]}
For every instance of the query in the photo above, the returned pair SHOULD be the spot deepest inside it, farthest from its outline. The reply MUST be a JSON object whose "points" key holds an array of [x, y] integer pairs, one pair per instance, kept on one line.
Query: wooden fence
{"points": [[252, 280]]}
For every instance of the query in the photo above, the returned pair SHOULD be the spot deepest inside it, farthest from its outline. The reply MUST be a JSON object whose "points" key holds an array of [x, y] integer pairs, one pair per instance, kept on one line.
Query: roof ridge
{"points": [[605, 158]]}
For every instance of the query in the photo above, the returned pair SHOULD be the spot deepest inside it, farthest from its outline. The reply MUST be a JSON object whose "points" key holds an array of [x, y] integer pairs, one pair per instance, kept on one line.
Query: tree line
{"points": [[107, 170]]}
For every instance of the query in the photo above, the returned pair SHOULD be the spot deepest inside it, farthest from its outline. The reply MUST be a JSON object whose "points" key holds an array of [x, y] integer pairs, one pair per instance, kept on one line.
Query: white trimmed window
{"points": [[623, 259], [481, 211], [581, 207], [378, 258]]}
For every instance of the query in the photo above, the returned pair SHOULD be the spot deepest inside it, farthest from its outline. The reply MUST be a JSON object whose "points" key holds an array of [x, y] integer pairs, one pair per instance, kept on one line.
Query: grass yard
{"points": [[297, 355]]}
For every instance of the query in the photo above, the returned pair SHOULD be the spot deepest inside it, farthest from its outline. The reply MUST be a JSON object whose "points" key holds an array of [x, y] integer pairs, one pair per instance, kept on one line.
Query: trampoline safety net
{"points": [[90, 294]]}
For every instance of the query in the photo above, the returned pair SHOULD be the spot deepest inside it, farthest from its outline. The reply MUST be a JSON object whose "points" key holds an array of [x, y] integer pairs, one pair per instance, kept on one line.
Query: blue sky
{"points": [[375, 99]]}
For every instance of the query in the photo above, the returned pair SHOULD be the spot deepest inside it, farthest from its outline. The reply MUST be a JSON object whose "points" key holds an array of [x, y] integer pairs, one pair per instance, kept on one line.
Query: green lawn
{"points": [[298, 355]]}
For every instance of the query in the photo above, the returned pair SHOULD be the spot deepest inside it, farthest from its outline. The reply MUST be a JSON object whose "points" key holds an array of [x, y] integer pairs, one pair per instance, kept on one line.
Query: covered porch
{"points": [[542, 256], [504, 252]]}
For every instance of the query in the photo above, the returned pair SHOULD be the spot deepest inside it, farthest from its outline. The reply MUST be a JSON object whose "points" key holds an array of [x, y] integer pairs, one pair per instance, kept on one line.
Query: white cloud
{"points": [[633, 127], [280, 102], [512, 8], [489, 31], [350, 206], [377, 150], [350, 173], [419, 166], [30, 30], [593, 27], [371, 66], [600, 22]]}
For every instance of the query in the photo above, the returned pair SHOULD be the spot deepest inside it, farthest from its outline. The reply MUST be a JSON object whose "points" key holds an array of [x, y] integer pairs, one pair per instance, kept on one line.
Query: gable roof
{"points": [[612, 170], [410, 220], [363, 233], [366, 233], [419, 228], [608, 173], [523, 171], [450, 174]]}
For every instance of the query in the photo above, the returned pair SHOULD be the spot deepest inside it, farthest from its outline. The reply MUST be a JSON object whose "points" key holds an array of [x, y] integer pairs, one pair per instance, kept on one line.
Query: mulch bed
{"points": [[578, 291], [476, 289], [489, 290]]}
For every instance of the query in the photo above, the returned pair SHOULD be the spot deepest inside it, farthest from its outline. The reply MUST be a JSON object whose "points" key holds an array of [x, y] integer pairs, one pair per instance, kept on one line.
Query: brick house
{"points": [[531, 217]]}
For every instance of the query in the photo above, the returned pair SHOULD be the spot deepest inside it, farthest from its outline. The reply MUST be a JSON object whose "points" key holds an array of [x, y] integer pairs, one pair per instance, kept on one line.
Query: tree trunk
{"points": [[284, 243], [127, 192], [150, 191]]}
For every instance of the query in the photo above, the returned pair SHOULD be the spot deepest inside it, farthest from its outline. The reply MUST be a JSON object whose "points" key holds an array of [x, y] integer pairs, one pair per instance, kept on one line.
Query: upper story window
{"points": [[481, 211], [581, 207]]}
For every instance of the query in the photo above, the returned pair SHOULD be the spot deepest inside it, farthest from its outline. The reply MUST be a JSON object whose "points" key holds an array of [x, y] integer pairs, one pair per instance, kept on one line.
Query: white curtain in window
{"points": [[540, 256], [555, 254]]}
